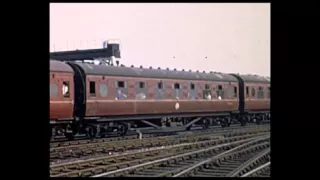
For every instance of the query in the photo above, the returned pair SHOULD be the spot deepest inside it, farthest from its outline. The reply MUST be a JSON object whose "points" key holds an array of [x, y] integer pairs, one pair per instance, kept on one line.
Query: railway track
{"points": [[123, 164], [95, 149], [260, 171], [146, 133], [234, 164], [198, 163]]}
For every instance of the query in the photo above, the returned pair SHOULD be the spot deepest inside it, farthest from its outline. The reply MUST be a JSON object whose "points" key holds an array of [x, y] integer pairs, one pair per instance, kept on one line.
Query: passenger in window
{"points": [[208, 96], [177, 94], [141, 96], [120, 95], [65, 89]]}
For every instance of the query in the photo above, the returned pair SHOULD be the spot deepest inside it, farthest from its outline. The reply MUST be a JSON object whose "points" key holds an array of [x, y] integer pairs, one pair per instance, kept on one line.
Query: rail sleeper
{"points": [[85, 165], [72, 166], [98, 162], [69, 174]]}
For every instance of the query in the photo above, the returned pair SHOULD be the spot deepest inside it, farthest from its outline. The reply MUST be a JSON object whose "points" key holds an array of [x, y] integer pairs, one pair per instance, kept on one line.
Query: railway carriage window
{"points": [[192, 86], [177, 93], [53, 90], [160, 85], [253, 92], [141, 91], [247, 91], [260, 93], [160, 93], [176, 86], [121, 91], [103, 90], [235, 91], [207, 94], [269, 92], [220, 92], [141, 84], [230, 92], [92, 89], [120, 84], [65, 89], [192, 92]]}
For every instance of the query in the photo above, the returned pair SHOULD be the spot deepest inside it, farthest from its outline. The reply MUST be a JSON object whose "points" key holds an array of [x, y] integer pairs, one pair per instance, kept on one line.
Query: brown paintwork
{"points": [[61, 107], [126, 107], [104, 106], [252, 103]]}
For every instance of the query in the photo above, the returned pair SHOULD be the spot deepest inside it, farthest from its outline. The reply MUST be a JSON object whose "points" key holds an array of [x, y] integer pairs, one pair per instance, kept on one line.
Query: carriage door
{"points": [[247, 93], [92, 93], [54, 95], [54, 88], [103, 94]]}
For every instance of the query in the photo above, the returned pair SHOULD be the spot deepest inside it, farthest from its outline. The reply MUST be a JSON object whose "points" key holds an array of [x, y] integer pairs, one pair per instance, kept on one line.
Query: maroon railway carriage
{"points": [[127, 93], [257, 97], [61, 91]]}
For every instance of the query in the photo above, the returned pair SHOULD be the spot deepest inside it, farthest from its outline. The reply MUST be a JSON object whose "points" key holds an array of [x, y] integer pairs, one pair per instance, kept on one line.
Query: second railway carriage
{"points": [[121, 96], [254, 98]]}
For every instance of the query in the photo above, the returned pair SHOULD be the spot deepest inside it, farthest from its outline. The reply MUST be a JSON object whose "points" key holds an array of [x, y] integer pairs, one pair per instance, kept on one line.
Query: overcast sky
{"points": [[234, 37]]}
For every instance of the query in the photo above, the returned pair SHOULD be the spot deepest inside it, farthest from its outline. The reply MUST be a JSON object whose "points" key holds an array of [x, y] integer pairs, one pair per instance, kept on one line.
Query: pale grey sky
{"points": [[234, 37]]}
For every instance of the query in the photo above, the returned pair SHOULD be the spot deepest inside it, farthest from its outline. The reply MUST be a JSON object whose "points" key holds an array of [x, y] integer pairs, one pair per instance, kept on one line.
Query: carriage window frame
{"points": [[253, 92], [192, 86], [160, 85], [260, 92], [67, 94], [55, 93], [142, 85], [92, 89], [159, 89], [107, 90], [220, 91], [121, 84], [176, 86]]}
